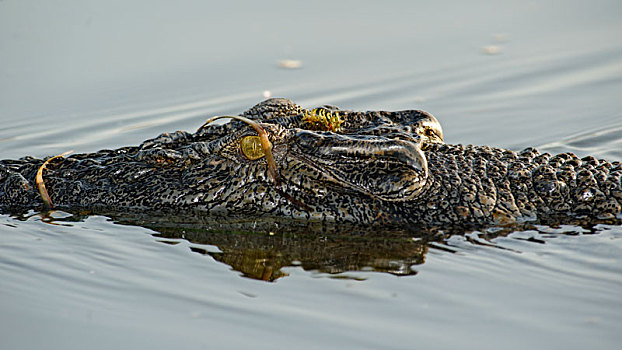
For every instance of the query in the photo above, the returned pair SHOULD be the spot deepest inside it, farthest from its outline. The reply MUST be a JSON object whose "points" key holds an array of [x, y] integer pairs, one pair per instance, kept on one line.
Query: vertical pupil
{"points": [[251, 147]]}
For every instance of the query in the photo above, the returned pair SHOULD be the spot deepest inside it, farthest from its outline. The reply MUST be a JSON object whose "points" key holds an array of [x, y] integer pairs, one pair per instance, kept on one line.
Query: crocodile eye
{"points": [[251, 147]]}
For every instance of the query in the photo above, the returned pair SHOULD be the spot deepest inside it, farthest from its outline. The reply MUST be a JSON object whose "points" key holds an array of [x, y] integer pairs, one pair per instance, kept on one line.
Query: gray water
{"points": [[86, 76]]}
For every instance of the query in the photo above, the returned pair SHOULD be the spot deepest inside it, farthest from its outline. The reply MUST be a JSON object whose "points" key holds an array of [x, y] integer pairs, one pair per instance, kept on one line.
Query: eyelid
{"points": [[251, 147]]}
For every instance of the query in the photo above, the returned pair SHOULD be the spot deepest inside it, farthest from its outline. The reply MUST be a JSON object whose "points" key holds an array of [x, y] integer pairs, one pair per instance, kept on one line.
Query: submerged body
{"points": [[361, 167]]}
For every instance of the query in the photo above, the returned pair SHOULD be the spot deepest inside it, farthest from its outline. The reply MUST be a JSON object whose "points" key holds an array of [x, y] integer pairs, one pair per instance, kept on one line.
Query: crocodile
{"points": [[279, 160]]}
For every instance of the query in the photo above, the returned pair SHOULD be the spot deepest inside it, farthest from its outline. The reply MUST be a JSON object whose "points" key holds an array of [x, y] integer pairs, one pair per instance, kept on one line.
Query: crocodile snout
{"points": [[387, 169]]}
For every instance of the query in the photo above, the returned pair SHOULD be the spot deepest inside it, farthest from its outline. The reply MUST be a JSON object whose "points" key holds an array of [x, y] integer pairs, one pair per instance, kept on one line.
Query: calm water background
{"points": [[84, 76]]}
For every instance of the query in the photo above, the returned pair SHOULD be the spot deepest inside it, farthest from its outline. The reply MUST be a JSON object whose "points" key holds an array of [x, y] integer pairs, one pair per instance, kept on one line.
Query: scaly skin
{"points": [[380, 167]]}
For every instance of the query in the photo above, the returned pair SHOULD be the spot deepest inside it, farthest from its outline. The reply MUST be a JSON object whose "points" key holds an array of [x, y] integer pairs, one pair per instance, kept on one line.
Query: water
{"points": [[86, 76]]}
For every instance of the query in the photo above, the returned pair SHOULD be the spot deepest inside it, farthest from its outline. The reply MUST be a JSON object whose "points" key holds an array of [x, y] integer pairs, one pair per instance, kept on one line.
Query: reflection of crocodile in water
{"points": [[373, 167], [262, 255], [340, 250], [261, 249]]}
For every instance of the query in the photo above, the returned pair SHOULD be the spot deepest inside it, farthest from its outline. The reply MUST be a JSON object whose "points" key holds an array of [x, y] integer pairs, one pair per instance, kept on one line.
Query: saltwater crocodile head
{"points": [[374, 158], [319, 173]]}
